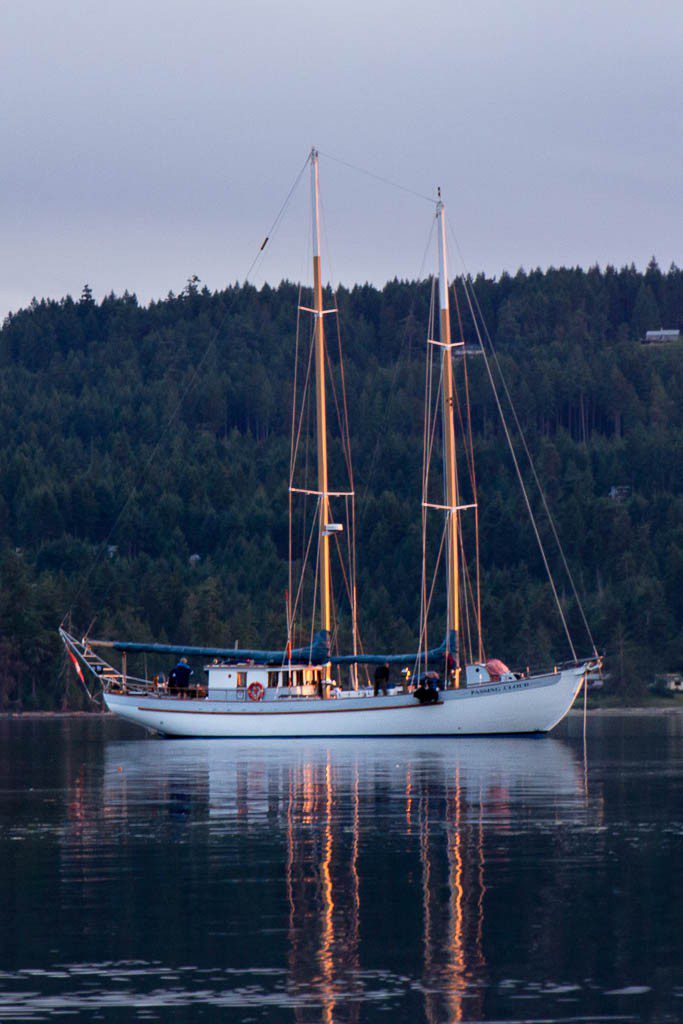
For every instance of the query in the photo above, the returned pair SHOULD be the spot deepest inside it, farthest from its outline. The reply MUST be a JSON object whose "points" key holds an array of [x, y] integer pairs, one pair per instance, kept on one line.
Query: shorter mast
{"points": [[449, 451]]}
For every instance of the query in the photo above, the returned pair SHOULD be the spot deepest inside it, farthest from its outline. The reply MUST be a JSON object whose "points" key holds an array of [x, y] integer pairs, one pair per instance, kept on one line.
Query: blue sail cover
{"points": [[317, 653], [434, 654]]}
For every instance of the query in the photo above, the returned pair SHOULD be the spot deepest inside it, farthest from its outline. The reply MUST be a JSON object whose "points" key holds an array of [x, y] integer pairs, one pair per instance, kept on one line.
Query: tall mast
{"points": [[449, 454], [321, 407]]}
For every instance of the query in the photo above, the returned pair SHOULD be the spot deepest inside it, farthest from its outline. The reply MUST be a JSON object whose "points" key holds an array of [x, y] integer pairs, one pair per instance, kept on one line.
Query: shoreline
{"points": [[645, 710]]}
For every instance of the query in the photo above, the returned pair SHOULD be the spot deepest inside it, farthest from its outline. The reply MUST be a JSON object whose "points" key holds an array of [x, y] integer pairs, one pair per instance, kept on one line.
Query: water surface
{"points": [[352, 880]]}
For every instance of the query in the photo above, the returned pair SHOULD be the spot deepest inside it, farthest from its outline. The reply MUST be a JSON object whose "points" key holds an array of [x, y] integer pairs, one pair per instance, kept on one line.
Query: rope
{"points": [[276, 223], [194, 377], [469, 290], [290, 495], [469, 447], [423, 639], [426, 434], [378, 177], [381, 432], [520, 478], [318, 518], [305, 563]]}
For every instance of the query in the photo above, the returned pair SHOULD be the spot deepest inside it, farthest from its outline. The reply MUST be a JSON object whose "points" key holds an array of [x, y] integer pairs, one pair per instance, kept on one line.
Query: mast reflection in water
{"points": [[383, 851], [339, 881]]}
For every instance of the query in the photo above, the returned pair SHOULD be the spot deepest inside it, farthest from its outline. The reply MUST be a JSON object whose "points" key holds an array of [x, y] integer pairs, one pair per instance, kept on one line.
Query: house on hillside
{"points": [[671, 682], [661, 336], [620, 492]]}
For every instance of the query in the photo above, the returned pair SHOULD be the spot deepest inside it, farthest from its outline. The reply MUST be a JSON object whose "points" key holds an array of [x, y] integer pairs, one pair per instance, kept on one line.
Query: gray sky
{"points": [[146, 141]]}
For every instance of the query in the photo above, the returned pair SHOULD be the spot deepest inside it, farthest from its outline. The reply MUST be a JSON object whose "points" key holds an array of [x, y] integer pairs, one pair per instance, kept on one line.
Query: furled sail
{"points": [[317, 653]]}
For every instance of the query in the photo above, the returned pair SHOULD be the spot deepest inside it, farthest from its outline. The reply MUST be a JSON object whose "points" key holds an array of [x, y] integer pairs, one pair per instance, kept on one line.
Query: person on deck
{"points": [[382, 678], [179, 678], [428, 690]]}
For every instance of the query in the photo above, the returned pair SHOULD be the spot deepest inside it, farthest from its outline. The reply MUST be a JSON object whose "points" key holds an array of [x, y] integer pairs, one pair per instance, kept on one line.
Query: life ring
{"points": [[255, 691]]}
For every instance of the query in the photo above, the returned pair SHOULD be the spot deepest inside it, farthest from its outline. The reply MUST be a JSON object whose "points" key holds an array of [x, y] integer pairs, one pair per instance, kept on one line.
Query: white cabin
{"points": [[229, 681], [476, 674]]}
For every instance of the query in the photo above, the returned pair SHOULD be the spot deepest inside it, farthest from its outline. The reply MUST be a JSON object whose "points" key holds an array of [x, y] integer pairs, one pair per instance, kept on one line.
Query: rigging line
{"points": [[304, 409], [470, 288], [428, 440], [544, 501], [333, 388], [435, 420], [469, 446], [290, 496], [303, 412], [468, 594], [363, 503], [433, 586], [194, 376], [303, 568], [378, 177], [342, 419], [318, 518], [469, 454], [537, 481], [520, 478], [348, 538], [307, 499], [357, 641], [276, 223], [305, 390], [342, 374], [464, 600], [343, 570], [294, 385], [425, 470], [476, 504]]}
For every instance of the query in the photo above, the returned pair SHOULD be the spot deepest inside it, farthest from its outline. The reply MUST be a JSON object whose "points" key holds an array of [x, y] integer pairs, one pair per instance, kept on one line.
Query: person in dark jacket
{"points": [[179, 678], [428, 690], [382, 678]]}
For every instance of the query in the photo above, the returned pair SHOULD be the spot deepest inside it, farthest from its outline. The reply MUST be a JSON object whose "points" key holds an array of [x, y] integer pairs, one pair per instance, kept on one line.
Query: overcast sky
{"points": [[146, 141]]}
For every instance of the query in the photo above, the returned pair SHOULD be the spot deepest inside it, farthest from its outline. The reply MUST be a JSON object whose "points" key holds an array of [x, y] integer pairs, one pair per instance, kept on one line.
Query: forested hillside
{"points": [[94, 433]]}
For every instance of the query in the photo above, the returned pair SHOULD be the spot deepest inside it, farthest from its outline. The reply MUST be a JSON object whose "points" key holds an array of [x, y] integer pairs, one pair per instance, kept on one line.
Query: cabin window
{"points": [[241, 679], [272, 679]]}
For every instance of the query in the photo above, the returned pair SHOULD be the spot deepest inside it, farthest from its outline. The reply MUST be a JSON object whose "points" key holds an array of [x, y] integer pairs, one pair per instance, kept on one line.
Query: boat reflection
{"points": [[377, 844]]}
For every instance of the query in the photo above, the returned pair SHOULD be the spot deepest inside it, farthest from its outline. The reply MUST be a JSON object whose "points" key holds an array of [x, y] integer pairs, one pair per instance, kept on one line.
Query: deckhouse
{"points": [[246, 681]]}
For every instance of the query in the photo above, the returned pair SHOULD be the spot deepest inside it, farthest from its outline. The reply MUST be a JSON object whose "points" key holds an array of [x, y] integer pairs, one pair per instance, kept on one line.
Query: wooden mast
{"points": [[321, 408], [449, 452]]}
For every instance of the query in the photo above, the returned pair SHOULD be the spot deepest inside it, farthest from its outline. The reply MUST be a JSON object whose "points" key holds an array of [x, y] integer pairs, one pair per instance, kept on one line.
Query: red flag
{"points": [[77, 666]]}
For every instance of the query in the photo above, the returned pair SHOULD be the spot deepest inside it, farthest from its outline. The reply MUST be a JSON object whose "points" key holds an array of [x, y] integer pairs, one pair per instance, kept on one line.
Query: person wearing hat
{"points": [[179, 678]]}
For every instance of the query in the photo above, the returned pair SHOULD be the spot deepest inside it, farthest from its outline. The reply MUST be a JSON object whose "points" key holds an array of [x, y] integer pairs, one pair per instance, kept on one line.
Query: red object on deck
{"points": [[496, 669]]}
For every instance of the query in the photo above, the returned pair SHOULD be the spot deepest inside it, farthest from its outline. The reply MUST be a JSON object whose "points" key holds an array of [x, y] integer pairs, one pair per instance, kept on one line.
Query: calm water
{"points": [[411, 880]]}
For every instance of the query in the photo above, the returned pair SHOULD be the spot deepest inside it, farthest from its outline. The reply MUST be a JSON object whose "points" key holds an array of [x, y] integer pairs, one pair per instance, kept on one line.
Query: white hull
{"points": [[529, 705]]}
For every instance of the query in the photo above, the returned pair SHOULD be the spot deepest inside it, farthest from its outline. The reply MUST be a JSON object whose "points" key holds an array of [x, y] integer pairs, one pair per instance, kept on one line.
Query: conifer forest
{"points": [[144, 469]]}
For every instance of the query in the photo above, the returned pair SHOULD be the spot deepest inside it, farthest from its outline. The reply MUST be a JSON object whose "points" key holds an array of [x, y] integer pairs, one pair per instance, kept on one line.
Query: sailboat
{"points": [[292, 692]]}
